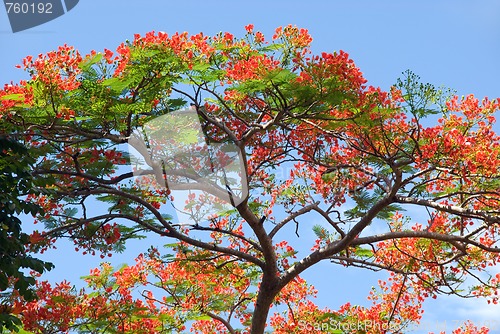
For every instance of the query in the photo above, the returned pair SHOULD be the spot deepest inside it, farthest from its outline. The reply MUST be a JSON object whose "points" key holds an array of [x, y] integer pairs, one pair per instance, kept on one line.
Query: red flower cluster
{"points": [[56, 69]]}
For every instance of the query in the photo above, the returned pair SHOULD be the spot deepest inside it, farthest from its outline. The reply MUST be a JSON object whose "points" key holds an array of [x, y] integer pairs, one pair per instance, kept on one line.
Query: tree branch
{"points": [[292, 216], [450, 238], [172, 232], [337, 246], [489, 216]]}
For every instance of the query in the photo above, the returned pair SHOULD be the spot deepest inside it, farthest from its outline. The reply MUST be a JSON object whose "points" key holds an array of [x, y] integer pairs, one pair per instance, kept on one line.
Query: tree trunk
{"points": [[267, 291]]}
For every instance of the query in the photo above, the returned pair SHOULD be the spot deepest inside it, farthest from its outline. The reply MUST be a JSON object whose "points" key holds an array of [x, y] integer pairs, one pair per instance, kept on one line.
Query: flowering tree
{"points": [[386, 189]]}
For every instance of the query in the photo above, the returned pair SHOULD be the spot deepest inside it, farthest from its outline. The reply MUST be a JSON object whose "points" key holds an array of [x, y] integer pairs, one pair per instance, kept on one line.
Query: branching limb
{"points": [[489, 216], [292, 216]]}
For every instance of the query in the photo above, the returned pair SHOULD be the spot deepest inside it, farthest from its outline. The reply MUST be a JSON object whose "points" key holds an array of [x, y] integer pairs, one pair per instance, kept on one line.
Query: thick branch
{"points": [[264, 240], [450, 238], [491, 217], [113, 180]]}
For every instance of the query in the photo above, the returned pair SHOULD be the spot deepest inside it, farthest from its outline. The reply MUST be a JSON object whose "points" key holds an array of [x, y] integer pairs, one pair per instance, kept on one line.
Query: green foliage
{"points": [[422, 99], [321, 232], [364, 201], [15, 182]]}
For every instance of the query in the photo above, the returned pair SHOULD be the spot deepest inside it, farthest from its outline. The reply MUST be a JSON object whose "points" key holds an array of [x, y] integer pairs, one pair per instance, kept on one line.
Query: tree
{"points": [[389, 190], [15, 181]]}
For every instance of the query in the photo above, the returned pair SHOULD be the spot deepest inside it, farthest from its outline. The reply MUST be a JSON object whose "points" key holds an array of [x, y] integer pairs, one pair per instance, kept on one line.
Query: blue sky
{"points": [[450, 43]]}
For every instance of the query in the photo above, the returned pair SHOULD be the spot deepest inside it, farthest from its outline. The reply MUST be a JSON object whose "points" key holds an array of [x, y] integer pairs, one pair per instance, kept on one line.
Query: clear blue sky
{"points": [[451, 43]]}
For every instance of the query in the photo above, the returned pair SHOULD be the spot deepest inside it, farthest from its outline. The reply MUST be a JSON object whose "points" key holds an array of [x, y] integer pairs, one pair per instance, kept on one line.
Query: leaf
{"points": [[117, 84], [70, 212], [166, 216], [82, 118], [200, 317], [13, 97], [201, 67], [281, 76], [363, 252], [85, 65], [176, 103], [321, 232], [58, 299], [252, 86], [389, 211], [173, 245], [93, 294], [272, 47]]}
